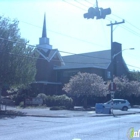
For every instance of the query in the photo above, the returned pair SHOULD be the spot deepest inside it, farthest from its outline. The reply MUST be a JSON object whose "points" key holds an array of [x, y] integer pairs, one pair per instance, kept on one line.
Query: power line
{"points": [[78, 39], [133, 66], [58, 50], [80, 3], [65, 35], [60, 60], [109, 19], [88, 2], [68, 52], [61, 33], [63, 61], [44, 48], [133, 25], [84, 55], [132, 55], [112, 19], [84, 10], [61, 51], [131, 31], [117, 16], [128, 22], [126, 28], [73, 5], [28, 56]]}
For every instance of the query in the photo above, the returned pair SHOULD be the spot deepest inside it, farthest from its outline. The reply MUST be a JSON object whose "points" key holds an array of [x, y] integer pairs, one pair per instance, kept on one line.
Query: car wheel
{"points": [[125, 108]]}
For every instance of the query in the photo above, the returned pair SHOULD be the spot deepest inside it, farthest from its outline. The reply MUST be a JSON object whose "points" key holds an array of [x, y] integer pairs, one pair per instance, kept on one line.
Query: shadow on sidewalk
{"points": [[10, 114]]}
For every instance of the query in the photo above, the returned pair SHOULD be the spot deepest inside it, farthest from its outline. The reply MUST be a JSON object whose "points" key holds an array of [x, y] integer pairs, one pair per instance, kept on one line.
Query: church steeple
{"points": [[44, 41], [44, 33]]}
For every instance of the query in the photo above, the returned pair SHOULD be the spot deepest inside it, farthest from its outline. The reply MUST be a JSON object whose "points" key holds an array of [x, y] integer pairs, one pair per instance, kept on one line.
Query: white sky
{"points": [[67, 29]]}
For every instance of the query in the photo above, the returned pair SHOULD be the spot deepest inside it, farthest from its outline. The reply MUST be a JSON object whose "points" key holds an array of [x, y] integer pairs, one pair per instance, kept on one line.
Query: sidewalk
{"points": [[46, 112]]}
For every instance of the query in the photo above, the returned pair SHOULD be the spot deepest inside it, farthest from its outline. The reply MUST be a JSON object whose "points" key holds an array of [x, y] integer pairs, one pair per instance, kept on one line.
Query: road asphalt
{"points": [[78, 112]]}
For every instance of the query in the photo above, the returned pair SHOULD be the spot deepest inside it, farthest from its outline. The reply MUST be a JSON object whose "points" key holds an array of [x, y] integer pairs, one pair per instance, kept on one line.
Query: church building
{"points": [[54, 70]]}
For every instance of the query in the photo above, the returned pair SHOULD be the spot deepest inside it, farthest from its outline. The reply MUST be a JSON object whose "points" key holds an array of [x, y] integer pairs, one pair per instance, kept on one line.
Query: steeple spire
{"points": [[44, 34], [44, 41]]}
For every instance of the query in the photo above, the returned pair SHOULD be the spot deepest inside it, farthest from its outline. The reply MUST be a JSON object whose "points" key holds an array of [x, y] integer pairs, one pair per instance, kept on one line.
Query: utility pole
{"points": [[112, 85], [111, 25]]}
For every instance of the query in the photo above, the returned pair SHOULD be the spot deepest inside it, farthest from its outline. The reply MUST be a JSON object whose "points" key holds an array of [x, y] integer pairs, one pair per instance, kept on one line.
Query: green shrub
{"points": [[42, 96], [59, 100], [21, 104], [57, 108]]}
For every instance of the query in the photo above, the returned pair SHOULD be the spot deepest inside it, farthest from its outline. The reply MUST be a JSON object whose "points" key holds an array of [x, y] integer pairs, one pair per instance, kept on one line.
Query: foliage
{"points": [[58, 108], [42, 96], [21, 104], [134, 75], [23, 93], [59, 100], [86, 84], [17, 98], [126, 88], [17, 64]]}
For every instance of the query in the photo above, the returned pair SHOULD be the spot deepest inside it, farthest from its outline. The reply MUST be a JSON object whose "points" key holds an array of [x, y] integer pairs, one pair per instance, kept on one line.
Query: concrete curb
{"points": [[105, 115], [26, 115], [66, 116]]}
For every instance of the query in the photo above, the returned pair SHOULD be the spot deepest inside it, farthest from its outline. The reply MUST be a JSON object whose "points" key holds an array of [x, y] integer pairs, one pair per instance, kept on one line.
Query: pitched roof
{"points": [[100, 59], [50, 54]]}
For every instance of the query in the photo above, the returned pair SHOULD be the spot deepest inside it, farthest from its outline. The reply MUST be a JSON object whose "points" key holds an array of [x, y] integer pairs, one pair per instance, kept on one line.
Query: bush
{"points": [[49, 100], [57, 108], [21, 104], [59, 100], [42, 96], [17, 99]]}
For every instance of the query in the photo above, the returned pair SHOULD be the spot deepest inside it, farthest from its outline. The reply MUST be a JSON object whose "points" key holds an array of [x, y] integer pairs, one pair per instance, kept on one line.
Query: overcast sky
{"points": [[68, 31]]}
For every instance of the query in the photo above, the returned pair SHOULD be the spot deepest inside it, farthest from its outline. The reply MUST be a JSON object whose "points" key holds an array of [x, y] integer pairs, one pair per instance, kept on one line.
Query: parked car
{"points": [[121, 104]]}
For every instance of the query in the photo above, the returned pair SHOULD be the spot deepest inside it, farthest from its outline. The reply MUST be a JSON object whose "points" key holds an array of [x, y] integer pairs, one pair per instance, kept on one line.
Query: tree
{"points": [[17, 65], [86, 84], [126, 88], [134, 75]]}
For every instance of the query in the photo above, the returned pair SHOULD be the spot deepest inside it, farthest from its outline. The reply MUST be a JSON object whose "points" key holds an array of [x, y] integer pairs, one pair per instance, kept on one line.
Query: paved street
{"points": [[73, 128]]}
